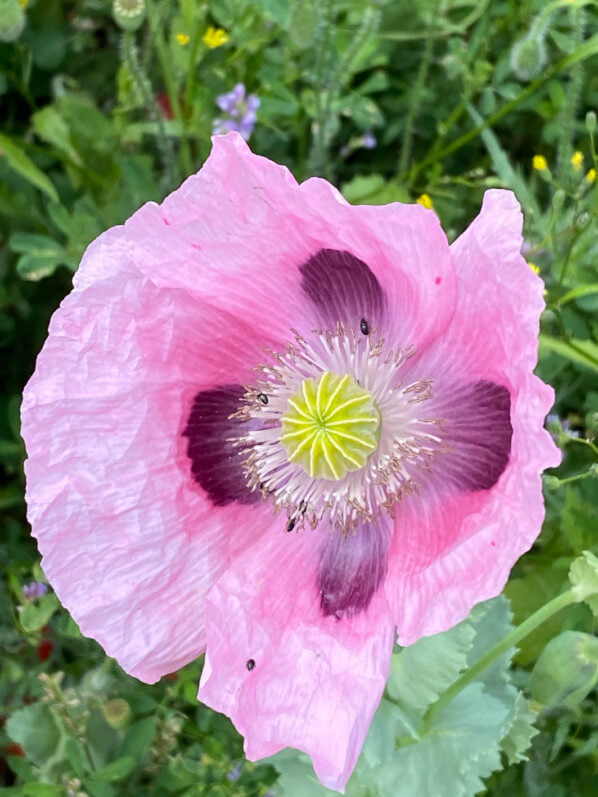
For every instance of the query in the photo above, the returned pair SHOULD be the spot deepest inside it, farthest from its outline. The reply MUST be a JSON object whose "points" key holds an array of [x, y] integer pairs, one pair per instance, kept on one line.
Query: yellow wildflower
{"points": [[577, 160], [215, 37], [539, 163], [183, 39], [591, 176], [534, 267], [23, 3], [426, 201]]}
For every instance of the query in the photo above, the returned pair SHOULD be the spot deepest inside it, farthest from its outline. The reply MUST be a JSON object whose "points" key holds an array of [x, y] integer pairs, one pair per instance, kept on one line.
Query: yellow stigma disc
{"points": [[330, 426]]}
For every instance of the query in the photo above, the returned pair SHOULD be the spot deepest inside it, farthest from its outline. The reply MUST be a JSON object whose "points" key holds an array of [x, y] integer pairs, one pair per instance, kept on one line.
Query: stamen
{"points": [[338, 433]]}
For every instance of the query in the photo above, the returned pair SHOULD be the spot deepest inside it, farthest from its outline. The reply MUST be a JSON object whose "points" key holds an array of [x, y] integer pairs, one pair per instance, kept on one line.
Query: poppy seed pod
{"points": [[566, 671], [128, 14]]}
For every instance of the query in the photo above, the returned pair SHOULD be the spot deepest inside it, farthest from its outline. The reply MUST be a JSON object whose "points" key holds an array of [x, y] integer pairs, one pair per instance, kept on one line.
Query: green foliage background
{"points": [[460, 96]]}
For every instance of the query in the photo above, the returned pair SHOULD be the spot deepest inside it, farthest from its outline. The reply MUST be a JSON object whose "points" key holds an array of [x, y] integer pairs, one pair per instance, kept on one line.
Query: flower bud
{"points": [[528, 56], [591, 121], [117, 713], [12, 20], [128, 14], [567, 670], [558, 200]]}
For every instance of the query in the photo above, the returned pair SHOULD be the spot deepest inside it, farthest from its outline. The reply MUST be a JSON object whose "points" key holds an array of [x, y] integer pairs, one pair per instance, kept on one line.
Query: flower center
{"points": [[330, 426]]}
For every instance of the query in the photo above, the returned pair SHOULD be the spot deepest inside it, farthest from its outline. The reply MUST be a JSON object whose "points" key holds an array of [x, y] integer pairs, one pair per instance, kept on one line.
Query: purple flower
{"points": [[34, 590], [241, 110], [368, 140], [235, 773]]}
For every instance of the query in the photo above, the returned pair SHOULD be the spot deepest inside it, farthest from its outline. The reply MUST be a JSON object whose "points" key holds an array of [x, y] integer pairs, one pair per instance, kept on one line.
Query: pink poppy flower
{"points": [[281, 429]]}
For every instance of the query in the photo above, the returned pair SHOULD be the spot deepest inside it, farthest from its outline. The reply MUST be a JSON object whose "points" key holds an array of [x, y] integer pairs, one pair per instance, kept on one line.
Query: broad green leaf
{"points": [[76, 756], [138, 738], [34, 616], [461, 748], [278, 10], [35, 729], [491, 621], [583, 352], [420, 673], [116, 770], [374, 190], [519, 737], [41, 255], [21, 163], [53, 129]]}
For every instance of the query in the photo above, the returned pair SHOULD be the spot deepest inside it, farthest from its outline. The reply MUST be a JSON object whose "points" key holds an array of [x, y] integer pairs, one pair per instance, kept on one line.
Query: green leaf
{"points": [[22, 164], [35, 729], [583, 576], [53, 129], [582, 352], [138, 738], [278, 10], [41, 255], [578, 293], [519, 737], [116, 770], [41, 790], [420, 673], [491, 621], [461, 748], [373, 190], [34, 616]]}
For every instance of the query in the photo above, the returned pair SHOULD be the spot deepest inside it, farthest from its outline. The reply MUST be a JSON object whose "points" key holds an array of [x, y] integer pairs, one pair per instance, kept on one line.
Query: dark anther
{"points": [[364, 327], [250, 664], [291, 524], [263, 398], [302, 507]]}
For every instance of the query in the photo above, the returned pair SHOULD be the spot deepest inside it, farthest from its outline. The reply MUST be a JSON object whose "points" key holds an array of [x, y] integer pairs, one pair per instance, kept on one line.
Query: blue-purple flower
{"points": [[34, 590], [241, 110]]}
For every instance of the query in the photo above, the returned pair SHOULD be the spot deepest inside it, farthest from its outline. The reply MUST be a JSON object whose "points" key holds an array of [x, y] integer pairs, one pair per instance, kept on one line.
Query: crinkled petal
{"points": [[130, 542], [313, 681], [454, 547], [238, 232]]}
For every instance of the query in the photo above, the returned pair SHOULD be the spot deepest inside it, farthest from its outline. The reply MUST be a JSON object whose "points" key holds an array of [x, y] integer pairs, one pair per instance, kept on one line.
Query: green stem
{"points": [[584, 442], [577, 478], [191, 74], [417, 94], [502, 647], [130, 56], [169, 81], [586, 50]]}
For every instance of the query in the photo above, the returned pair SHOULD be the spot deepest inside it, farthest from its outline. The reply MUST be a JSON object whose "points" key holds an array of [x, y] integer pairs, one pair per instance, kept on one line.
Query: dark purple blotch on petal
{"points": [[478, 435], [215, 462], [343, 288], [352, 567]]}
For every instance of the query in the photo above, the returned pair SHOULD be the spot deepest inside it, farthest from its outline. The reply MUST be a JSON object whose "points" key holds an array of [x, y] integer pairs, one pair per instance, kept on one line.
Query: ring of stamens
{"points": [[330, 426], [404, 440]]}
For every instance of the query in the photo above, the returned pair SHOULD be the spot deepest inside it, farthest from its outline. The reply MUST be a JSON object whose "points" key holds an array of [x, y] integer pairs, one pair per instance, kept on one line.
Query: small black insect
{"points": [[291, 524], [250, 664], [263, 398], [364, 327]]}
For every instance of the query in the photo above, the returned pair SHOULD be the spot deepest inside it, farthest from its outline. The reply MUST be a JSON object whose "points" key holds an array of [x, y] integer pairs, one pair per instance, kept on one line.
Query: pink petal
{"points": [[453, 549], [130, 543], [237, 232], [316, 681]]}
